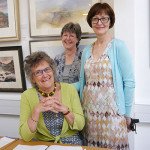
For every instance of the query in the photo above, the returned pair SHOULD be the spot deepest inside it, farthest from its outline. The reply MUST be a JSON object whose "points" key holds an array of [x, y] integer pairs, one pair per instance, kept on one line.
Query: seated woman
{"points": [[49, 111]]}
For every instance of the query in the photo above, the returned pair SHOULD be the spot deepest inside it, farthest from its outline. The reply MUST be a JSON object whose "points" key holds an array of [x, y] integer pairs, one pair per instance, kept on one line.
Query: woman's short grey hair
{"points": [[73, 28], [34, 60]]}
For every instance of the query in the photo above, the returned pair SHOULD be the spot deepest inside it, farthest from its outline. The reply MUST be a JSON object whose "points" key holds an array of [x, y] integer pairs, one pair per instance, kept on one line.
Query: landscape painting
{"points": [[12, 78], [4, 23], [9, 20], [48, 17], [7, 72]]}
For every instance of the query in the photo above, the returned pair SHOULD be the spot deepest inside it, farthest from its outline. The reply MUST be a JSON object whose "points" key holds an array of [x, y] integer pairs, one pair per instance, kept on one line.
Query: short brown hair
{"points": [[73, 28], [33, 60], [99, 8]]}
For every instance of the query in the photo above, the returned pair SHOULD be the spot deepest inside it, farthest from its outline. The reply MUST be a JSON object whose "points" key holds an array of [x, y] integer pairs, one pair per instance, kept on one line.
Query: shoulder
{"points": [[30, 91], [59, 59], [67, 86], [121, 49], [119, 43], [59, 56], [87, 50], [79, 53]]}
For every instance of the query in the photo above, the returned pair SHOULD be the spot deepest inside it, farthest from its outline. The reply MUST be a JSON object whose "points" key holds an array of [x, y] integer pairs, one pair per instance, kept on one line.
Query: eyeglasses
{"points": [[40, 72], [103, 20]]}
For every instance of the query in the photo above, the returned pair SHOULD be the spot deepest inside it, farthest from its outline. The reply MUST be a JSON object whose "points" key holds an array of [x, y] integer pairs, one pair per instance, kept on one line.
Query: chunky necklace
{"points": [[48, 94]]}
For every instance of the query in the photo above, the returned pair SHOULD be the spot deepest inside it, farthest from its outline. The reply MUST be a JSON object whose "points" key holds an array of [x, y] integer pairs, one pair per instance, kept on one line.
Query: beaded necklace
{"points": [[48, 94]]}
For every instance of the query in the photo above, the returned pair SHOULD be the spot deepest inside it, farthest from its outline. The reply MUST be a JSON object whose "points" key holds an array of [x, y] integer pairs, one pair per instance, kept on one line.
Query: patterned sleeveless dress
{"points": [[104, 127]]}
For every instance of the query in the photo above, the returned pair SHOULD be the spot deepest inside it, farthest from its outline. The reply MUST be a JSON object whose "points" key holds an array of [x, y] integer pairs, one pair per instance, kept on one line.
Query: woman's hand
{"points": [[128, 122], [47, 104], [59, 107], [54, 105]]}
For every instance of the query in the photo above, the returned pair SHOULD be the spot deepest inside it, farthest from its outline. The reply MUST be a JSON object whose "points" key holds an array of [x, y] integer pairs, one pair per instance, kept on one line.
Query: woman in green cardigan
{"points": [[49, 111]]}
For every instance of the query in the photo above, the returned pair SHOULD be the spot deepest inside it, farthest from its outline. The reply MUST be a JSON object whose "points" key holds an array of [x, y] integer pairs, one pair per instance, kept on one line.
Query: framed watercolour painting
{"points": [[12, 78], [48, 17], [53, 48], [9, 20]]}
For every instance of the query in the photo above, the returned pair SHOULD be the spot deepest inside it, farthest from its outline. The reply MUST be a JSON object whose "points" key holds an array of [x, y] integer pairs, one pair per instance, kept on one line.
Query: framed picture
{"points": [[12, 78], [9, 20], [48, 17], [53, 48]]}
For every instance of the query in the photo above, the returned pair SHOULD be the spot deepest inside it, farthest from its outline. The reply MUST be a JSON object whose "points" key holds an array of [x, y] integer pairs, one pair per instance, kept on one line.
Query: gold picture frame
{"points": [[9, 20], [48, 17]]}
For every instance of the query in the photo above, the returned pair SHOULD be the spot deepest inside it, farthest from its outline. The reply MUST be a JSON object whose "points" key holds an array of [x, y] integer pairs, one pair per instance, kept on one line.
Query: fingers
{"points": [[52, 104], [49, 104], [50, 109]]}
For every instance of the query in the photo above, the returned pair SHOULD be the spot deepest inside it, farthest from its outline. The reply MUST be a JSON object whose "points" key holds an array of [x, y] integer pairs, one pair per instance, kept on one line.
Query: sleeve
{"points": [[76, 108], [127, 72], [25, 112]]}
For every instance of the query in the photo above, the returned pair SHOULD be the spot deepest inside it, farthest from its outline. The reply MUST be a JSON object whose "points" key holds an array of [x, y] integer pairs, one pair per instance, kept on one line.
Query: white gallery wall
{"points": [[132, 26], [142, 73]]}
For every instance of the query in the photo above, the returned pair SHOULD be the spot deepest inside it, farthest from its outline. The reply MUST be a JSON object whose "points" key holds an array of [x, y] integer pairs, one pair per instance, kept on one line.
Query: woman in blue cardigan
{"points": [[106, 83]]}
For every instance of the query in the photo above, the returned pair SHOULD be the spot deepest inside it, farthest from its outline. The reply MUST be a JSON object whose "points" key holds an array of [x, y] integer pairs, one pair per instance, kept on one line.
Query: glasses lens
{"points": [[95, 20], [105, 19], [38, 73], [47, 70]]}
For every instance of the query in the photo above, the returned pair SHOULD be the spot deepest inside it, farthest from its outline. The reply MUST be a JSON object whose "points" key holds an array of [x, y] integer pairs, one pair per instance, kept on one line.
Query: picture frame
{"points": [[9, 20], [54, 47], [48, 17], [12, 77]]}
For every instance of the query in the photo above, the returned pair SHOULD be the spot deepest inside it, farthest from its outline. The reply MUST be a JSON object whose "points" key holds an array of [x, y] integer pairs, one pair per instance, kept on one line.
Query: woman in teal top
{"points": [[106, 84], [49, 111]]}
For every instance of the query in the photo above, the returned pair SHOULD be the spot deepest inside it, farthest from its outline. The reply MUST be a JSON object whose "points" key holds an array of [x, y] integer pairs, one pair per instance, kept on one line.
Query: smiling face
{"points": [[43, 77], [69, 40], [101, 26]]}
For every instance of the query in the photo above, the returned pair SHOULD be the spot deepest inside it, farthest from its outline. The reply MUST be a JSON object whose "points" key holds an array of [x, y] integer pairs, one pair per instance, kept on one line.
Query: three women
{"points": [[106, 85]]}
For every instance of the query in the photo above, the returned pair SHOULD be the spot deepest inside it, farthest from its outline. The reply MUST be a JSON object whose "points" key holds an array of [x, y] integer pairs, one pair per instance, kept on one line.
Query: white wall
{"points": [[125, 22], [9, 125], [142, 137], [142, 72], [142, 54], [132, 26]]}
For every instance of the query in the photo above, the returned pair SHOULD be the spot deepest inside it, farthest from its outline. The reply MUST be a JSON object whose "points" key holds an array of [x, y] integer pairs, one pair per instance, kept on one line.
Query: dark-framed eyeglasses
{"points": [[40, 72], [104, 20]]}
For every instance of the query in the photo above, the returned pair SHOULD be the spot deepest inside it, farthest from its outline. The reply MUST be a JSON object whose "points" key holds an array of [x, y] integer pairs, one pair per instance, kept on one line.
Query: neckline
{"points": [[105, 50], [75, 55], [48, 94]]}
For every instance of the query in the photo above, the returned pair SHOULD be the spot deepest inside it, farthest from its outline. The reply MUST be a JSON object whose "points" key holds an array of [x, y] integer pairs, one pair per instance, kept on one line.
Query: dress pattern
{"points": [[104, 127], [54, 123]]}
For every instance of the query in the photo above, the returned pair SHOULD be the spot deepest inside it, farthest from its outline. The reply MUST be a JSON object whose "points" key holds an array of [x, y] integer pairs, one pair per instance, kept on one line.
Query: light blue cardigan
{"points": [[123, 75]]}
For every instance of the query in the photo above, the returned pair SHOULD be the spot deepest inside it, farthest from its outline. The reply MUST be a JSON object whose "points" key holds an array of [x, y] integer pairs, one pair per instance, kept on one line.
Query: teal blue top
{"points": [[123, 75]]}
